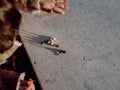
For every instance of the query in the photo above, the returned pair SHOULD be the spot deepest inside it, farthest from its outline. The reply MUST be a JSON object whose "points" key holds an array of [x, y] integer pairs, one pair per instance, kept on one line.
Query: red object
{"points": [[57, 46]]}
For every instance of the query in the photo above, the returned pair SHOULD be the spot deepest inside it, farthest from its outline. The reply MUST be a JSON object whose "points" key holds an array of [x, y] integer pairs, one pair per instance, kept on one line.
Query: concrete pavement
{"points": [[90, 33]]}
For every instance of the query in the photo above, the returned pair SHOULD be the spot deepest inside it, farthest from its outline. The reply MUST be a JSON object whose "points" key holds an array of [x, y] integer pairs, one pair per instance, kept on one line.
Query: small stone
{"points": [[34, 62], [83, 57], [90, 59]]}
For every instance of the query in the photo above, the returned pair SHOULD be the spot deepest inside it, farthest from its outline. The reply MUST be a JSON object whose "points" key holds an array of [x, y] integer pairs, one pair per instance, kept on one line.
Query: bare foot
{"points": [[54, 6]]}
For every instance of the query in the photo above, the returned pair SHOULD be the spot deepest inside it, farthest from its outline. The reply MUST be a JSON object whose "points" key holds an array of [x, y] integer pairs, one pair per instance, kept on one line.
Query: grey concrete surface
{"points": [[90, 33]]}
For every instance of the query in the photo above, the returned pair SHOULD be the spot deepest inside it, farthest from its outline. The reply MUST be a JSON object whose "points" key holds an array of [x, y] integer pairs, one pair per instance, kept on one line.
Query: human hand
{"points": [[26, 85], [54, 6]]}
